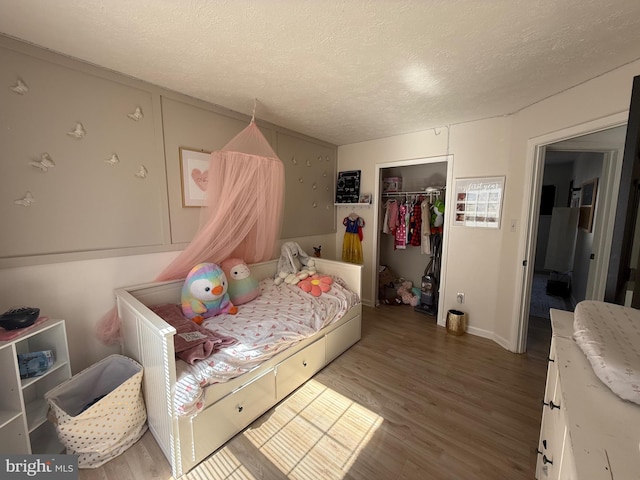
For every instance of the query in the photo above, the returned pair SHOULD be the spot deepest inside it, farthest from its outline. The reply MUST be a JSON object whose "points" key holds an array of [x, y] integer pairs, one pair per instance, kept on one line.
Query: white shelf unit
{"points": [[24, 427]]}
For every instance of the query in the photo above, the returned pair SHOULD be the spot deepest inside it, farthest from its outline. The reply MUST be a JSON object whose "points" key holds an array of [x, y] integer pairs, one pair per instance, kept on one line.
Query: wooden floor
{"points": [[408, 401]]}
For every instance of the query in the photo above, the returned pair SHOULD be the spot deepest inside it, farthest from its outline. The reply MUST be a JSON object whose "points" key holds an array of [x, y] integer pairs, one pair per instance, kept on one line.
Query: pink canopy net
{"points": [[242, 214]]}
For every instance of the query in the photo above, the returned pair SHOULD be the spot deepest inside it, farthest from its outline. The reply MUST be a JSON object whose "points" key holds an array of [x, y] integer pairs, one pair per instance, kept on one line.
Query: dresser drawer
{"points": [[343, 337], [295, 370], [218, 423]]}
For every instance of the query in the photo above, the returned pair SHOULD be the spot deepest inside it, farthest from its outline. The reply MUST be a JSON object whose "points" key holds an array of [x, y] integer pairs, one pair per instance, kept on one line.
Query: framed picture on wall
{"points": [[365, 198], [194, 176], [588, 193], [479, 202]]}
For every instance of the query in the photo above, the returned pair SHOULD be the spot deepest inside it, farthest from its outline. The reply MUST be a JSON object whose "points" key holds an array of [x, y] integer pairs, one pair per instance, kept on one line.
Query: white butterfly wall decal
{"points": [[20, 88], [137, 115], [25, 201], [142, 172], [45, 163], [79, 132], [113, 160]]}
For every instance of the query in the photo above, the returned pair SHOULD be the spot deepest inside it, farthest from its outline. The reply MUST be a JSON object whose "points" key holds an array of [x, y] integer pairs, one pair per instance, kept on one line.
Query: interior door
{"points": [[620, 271]]}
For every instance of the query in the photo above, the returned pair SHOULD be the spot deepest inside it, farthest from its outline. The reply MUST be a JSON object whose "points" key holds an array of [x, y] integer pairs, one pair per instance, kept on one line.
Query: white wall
{"points": [[487, 264], [474, 254], [364, 156], [80, 293], [569, 113]]}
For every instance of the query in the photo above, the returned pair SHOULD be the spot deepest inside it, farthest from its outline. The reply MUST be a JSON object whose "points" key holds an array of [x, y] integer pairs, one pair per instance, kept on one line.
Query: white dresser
{"points": [[587, 431]]}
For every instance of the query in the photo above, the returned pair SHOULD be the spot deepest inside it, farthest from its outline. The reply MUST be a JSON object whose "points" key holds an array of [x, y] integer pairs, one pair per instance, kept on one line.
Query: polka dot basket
{"points": [[99, 413]]}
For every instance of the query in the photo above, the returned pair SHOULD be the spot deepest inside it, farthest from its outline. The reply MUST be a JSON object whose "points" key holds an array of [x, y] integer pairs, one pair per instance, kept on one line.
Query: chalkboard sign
{"points": [[348, 187]]}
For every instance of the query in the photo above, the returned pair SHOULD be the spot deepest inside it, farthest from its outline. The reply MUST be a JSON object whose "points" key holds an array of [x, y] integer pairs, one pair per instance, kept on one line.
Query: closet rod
{"points": [[402, 194]]}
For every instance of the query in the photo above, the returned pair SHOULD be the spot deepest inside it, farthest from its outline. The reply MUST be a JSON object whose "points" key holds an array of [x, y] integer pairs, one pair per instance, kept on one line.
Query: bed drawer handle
{"points": [[304, 363], [240, 408], [551, 405]]}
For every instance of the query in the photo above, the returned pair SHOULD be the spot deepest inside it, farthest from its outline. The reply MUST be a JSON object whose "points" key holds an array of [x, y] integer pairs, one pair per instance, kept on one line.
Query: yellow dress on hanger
{"points": [[352, 243]]}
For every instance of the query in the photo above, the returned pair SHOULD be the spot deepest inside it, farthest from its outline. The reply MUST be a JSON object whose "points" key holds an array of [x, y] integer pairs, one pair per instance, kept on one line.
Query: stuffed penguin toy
{"points": [[204, 293]]}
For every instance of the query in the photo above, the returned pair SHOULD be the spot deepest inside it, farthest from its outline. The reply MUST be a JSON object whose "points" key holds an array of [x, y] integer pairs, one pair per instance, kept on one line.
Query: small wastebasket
{"points": [[456, 322], [99, 413]]}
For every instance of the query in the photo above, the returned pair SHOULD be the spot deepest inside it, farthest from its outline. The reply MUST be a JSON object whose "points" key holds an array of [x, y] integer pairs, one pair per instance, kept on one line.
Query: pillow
{"points": [[316, 284], [242, 286]]}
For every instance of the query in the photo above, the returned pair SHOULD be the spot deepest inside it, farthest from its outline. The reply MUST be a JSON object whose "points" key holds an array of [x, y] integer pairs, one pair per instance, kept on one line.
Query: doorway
{"points": [[607, 137], [379, 217], [564, 238]]}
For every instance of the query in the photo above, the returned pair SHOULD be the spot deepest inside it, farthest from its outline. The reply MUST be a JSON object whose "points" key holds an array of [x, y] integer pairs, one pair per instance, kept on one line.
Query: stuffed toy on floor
{"points": [[406, 295], [204, 293], [294, 264]]}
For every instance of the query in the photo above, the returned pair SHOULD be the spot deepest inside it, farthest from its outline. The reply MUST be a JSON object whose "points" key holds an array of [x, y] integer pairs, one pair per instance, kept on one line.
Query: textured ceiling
{"points": [[344, 71]]}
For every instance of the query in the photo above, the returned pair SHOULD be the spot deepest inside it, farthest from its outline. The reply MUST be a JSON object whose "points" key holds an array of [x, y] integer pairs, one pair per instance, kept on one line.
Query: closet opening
{"points": [[410, 225]]}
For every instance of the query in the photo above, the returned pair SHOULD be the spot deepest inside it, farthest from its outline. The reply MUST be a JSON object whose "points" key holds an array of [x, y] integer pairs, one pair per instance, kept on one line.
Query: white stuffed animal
{"points": [[294, 264]]}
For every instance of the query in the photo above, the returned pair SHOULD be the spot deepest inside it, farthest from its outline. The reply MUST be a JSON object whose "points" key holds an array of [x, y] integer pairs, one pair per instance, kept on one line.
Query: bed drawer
{"points": [[295, 370], [222, 420], [342, 338]]}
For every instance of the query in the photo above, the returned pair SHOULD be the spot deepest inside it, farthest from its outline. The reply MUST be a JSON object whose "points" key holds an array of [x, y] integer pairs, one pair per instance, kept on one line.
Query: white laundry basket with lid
{"points": [[99, 413]]}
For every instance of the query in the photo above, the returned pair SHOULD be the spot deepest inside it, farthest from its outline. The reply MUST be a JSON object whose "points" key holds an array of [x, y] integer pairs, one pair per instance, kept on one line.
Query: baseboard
{"points": [[480, 332]]}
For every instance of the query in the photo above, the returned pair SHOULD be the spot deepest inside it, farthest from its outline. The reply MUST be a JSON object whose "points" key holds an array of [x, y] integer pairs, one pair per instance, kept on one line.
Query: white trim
{"points": [[533, 177], [603, 235]]}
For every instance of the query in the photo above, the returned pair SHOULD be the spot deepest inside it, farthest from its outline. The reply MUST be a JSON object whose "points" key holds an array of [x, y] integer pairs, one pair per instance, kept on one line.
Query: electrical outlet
{"points": [[460, 297]]}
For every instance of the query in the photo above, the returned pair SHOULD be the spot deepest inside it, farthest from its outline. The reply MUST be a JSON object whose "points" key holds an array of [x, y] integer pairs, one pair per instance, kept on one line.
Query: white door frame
{"points": [[536, 148], [377, 194]]}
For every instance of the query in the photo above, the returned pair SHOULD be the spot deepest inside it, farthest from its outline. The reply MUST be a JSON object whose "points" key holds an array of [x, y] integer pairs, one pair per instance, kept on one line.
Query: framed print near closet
{"points": [[194, 175], [478, 202], [587, 204]]}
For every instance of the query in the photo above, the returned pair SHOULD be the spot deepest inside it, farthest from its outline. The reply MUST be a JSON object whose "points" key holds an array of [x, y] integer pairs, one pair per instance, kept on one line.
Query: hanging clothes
{"points": [[391, 217], [352, 243], [416, 224], [401, 231], [425, 208], [385, 221]]}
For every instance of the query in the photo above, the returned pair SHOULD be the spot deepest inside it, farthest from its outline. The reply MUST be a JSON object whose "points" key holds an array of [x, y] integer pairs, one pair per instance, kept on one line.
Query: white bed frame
{"points": [[233, 405]]}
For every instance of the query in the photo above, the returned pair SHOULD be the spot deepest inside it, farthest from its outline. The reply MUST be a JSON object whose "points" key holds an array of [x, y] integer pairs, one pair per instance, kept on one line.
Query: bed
{"points": [[223, 408]]}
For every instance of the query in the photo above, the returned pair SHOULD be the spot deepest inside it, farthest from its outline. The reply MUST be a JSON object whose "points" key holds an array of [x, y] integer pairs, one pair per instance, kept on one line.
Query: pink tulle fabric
{"points": [[242, 217], [243, 212]]}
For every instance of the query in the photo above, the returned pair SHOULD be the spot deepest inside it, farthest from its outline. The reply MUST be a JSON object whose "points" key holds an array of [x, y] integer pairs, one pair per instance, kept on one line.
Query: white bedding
{"points": [[609, 335], [280, 317]]}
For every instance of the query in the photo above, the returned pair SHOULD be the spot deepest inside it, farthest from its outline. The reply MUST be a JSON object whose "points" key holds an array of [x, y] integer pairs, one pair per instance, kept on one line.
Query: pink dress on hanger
{"points": [[401, 230]]}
